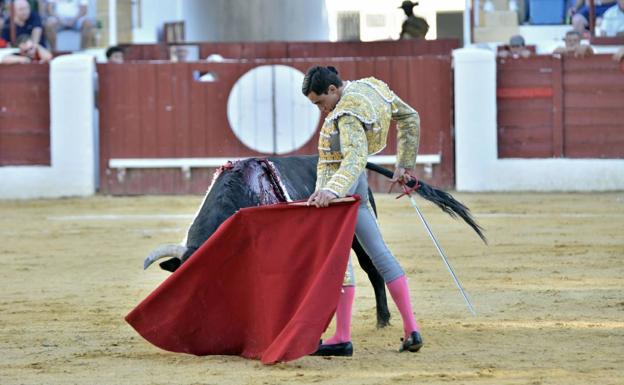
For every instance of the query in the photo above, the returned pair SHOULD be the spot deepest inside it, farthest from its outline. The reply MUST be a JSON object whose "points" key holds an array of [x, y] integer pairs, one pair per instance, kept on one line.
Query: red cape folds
{"points": [[264, 285]]}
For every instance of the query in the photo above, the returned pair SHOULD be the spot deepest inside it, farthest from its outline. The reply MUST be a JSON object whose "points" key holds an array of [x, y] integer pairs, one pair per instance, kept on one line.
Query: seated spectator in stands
{"points": [[70, 14], [613, 20], [619, 55], [29, 52], [574, 47], [515, 49], [115, 54], [26, 22], [580, 13]]}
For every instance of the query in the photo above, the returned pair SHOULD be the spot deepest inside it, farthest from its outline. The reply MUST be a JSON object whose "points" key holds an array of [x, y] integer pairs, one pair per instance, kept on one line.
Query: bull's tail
{"points": [[164, 251], [442, 199]]}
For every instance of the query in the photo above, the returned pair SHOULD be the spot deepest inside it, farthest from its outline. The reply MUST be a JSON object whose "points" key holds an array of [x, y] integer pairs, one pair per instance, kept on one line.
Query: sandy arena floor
{"points": [[549, 290]]}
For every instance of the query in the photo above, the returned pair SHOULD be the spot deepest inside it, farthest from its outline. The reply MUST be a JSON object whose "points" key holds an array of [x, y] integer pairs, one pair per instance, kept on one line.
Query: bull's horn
{"points": [[164, 251]]}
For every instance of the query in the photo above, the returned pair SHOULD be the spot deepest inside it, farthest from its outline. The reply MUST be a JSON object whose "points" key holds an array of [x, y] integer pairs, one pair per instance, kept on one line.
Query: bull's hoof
{"points": [[171, 265], [383, 320], [382, 323]]}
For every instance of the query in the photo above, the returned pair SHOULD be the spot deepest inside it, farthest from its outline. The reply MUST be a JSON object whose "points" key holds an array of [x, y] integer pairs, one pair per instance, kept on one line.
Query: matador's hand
{"points": [[321, 198], [402, 174]]}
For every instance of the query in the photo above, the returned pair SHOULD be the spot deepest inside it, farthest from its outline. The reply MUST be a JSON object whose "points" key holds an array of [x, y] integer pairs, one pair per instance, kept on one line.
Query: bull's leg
{"points": [[383, 313]]}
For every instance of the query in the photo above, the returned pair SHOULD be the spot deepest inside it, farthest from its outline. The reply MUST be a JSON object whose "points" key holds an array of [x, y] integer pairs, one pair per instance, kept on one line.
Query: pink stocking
{"points": [[399, 291], [343, 317]]}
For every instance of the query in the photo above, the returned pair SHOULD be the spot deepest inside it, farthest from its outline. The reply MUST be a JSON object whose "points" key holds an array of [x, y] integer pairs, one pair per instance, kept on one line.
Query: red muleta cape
{"points": [[264, 285]]}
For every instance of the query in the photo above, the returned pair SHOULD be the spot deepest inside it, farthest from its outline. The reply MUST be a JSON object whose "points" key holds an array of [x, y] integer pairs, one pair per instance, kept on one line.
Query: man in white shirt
{"points": [[613, 20], [69, 14]]}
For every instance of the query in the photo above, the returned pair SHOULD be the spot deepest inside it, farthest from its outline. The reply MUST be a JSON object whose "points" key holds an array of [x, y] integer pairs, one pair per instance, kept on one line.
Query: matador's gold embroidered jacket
{"points": [[358, 127]]}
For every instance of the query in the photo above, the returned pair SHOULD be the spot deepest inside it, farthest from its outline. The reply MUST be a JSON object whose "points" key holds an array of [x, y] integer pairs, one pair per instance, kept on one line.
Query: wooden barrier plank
{"points": [[104, 126], [165, 124], [148, 109], [604, 80], [593, 117], [522, 118], [24, 114], [604, 141], [446, 176], [131, 129], [524, 79], [601, 62], [24, 148], [525, 142], [182, 78], [557, 112], [597, 99]]}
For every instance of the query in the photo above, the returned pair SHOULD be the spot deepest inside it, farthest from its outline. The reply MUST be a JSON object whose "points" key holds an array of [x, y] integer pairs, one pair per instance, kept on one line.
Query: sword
{"points": [[412, 183], [443, 256]]}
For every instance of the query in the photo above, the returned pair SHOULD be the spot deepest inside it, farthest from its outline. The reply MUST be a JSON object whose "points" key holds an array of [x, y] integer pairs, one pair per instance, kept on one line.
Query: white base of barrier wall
{"points": [[477, 167], [72, 169]]}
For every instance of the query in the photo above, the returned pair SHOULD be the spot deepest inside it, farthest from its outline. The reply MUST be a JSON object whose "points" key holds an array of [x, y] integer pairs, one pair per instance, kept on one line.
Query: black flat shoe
{"points": [[413, 343], [344, 349]]}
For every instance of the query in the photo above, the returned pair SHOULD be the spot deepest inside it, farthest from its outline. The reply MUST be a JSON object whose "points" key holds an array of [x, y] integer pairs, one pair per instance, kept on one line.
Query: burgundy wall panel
{"points": [[593, 107], [24, 114], [560, 107], [157, 110]]}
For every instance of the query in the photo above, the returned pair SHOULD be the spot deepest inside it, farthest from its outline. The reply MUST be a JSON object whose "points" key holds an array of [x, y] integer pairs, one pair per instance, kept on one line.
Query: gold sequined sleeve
{"points": [[322, 169], [354, 149], [408, 133]]}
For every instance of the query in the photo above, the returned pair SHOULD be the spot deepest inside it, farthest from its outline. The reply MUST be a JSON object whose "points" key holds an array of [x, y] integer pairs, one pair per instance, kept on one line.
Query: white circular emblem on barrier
{"points": [[268, 112]]}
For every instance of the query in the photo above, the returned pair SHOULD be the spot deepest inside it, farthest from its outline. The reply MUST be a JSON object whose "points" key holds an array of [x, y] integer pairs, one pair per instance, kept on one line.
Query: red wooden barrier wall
{"points": [[275, 50], [24, 114], [550, 106], [156, 110]]}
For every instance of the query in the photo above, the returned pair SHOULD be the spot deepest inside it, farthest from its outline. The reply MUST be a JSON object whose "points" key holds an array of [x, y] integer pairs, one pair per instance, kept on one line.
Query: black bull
{"points": [[253, 182]]}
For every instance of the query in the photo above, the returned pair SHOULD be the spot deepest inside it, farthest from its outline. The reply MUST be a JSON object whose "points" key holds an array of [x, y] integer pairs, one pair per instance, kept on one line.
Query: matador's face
{"points": [[327, 101]]}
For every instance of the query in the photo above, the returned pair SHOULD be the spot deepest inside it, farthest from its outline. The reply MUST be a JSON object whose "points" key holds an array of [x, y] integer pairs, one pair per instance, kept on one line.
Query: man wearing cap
{"points": [[516, 49], [413, 27]]}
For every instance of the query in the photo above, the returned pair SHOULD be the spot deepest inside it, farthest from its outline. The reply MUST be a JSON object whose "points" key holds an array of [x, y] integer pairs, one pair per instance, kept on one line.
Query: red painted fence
{"points": [[157, 110], [24, 114], [549, 106], [282, 50]]}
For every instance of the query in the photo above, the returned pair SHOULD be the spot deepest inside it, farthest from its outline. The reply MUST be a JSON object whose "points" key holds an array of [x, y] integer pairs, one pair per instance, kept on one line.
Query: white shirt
{"points": [[613, 21], [68, 9]]}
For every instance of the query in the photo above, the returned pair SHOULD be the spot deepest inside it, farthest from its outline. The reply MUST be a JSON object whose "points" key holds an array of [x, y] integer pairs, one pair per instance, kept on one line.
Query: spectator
{"points": [[115, 54], [70, 14], [29, 52], [619, 55], [613, 20], [26, 22], [573, 46], [516, 49], [580, 13], [414, 27]]}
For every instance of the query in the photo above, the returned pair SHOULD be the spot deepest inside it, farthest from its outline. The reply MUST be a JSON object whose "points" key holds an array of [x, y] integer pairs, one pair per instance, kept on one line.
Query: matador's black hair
{"points": [[318, 79]]}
